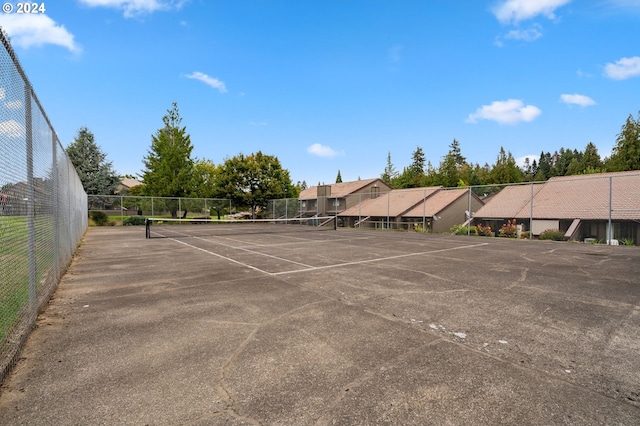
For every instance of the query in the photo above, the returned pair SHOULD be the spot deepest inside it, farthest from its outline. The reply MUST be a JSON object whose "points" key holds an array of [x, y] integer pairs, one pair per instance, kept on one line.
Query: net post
{"points": [[335, 223], [147, 228]]}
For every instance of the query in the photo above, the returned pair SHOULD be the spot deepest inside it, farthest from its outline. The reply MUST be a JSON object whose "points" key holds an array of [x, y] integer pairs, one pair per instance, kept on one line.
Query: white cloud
{"points": [[321, 150], [510, 111], [12, 129], [133, 8], [210, 81], [36, 30], [13, 104], [520, 161], [530, 34], [576, 99], [514, 11], [623, 68]]}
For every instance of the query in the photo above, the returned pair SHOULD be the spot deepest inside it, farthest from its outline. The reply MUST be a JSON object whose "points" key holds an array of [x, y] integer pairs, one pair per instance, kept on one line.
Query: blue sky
{"points": [[335, 85]]}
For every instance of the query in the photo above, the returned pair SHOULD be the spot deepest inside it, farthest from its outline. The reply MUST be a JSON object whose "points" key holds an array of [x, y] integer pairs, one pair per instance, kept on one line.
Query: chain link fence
{"points": [[123, 209], [600, 208], [43, 208]]}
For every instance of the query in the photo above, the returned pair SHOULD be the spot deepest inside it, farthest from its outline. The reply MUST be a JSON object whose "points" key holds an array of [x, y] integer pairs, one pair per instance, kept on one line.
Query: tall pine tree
{"points": [[95, 172], [168, 164], [626, 153]]}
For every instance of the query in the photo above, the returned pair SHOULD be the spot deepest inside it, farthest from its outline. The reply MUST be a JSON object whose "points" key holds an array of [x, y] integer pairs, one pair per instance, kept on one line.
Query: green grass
{"points": [[14, 293], [14, 265]]}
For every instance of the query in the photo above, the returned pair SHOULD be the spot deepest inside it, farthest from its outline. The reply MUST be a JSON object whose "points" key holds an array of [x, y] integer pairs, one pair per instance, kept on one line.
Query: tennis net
{"points": [[156, 227]]}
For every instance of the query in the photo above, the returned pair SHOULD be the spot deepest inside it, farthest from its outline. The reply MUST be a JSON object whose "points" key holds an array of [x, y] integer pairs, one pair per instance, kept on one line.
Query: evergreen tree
{"points": [[418, 162], [527, 169], [506, 170], [339, 177], [94, 171], [574, 168], [413, 175], [390, 172], [452, 165], [544, 167], [168, 164], [590, 159], [626, 153]]}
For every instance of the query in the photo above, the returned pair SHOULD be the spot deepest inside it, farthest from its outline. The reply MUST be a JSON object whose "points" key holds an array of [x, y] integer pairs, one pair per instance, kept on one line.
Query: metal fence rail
{"points": [[123, 206], [600, 208], [43, 208]]}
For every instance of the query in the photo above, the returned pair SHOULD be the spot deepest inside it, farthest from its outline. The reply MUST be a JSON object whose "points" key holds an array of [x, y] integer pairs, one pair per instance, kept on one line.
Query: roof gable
{"points": [[437, 202], [343, 189], [508, 202], [394, 203], [569, 197], [587, 197]]}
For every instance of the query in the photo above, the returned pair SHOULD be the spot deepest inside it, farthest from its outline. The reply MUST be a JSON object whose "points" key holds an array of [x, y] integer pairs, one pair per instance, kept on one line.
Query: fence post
{"points": [[531, 213], [388, 207], [609, 230], [56, 207], [424, 211], [31, 229], [359, 210], [469, 219]]}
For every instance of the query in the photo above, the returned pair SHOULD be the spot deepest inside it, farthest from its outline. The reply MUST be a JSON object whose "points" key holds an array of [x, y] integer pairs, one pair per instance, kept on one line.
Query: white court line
{"points": [[316, 268], [254, 252], [221, 256], [358, 262], [238, 248]]}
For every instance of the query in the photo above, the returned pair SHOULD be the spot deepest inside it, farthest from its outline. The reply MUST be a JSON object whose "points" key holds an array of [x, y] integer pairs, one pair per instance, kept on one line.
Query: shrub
{"points": [[483, 231], [509, 229], [463, 230], [552, 234], [417, 227], [627, 242], [525, 235], [133, 220], [99, 218]]}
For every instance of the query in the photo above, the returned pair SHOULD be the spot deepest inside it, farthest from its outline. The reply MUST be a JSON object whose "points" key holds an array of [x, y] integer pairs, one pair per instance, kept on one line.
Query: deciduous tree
{"points": [[252, 180]]}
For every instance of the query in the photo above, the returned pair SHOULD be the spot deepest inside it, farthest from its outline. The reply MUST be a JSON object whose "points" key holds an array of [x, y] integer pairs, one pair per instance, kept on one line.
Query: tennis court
{"points": [[313, 325]]}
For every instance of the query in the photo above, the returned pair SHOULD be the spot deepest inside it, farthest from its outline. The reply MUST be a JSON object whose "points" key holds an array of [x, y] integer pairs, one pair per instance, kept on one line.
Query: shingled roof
{"points": [[587, 197], [436, 203], [392, 204], [507, 203], [341, 189], [570, 197]]}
